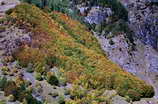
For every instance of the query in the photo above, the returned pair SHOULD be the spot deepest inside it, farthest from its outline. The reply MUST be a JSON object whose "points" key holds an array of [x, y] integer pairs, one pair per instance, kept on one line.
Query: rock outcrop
{"points": [[143, 18]]}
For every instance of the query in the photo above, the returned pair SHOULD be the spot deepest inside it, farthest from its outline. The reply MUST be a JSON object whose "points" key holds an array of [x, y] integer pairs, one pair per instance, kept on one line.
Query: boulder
{"points": [[118, 100]]}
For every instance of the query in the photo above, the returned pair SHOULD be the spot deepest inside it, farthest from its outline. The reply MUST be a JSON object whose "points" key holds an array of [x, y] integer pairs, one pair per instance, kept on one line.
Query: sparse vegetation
{"points": [[16, 90]]}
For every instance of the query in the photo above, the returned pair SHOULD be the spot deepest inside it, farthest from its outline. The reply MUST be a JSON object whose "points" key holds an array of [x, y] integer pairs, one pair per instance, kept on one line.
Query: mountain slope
{"points": [[66, 44]]}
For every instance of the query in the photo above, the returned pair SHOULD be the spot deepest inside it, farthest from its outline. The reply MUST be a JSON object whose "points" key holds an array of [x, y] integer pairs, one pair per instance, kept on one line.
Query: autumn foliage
{"points": [[59, 41]]}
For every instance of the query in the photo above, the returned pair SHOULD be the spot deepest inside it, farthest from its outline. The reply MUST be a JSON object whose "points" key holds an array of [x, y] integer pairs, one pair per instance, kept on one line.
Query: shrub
{"points": [[3, 81], [61, 99], [16, 90], [98, 28], [134, 95], [30, 68], [111, 42], [5, 69], [2, 102], [39, 68], [10, 88], [38, 76], [53, 61], [62, 81], [9, 11], [2, 28], [31, 100], [85, 65], [82, 96], [52, 79], [67, 92], [77, 92]]}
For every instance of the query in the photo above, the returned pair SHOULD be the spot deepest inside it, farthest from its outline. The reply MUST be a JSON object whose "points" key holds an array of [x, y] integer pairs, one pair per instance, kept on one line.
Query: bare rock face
{"points": [[97, 15], [143, 18], [94, 14], [146, 101], [119, 100]]}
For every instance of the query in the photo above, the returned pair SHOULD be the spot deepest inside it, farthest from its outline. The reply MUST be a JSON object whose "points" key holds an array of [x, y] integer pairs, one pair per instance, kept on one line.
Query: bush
{"points": [[16, 90], [9, 11], [5, 70], [134, 95], [66, 91], [31, 100], [98, 28], [3, 82], [61, 99], [87, 66], [39, 68], [30, 68], [38, 76], [52, 79], [53, 61], [2, 102], [10, 88], [77, 92], [2, 28], [111, 42]]}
